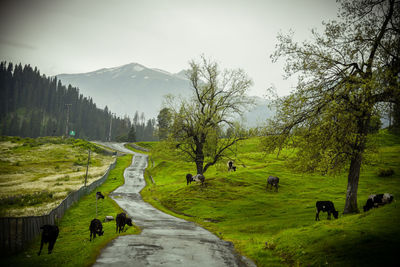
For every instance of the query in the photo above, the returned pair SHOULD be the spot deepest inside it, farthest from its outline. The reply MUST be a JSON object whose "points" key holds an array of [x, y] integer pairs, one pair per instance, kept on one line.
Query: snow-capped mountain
{"points": [[134, 87], [129, 88]]}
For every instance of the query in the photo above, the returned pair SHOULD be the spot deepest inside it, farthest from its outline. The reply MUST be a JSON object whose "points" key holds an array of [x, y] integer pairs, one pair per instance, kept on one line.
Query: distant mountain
{"points": [[134, 87], [259, 113], [129, 88]]}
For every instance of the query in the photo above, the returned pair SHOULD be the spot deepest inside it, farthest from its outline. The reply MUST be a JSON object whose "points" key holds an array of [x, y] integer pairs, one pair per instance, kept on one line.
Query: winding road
{"points": [[165, 240]]}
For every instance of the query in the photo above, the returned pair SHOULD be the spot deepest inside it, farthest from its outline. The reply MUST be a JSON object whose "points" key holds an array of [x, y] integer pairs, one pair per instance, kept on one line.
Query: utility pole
{"points": [[109, 133], [66, 126], [87, 168]]}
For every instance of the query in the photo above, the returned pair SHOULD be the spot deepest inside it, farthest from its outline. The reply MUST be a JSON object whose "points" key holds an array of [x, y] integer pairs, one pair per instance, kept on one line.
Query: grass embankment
{"points": [[237, 207], [37, 174], [73, 247], [142, 147]]}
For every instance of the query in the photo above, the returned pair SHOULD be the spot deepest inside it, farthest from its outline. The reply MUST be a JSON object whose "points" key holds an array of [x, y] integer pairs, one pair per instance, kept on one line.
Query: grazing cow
{"points": [[231, 166], [121, 221], [49, 235], [273, 181], [199, 178], [374, 201], [99, 195], [95, 228], [326, 206], [189, 178]]}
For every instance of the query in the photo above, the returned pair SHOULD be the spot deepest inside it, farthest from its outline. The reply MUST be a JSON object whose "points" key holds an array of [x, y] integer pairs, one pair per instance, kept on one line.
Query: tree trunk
{"points": [[355, 165], [352, 184], [199, 166], [199, 158]]}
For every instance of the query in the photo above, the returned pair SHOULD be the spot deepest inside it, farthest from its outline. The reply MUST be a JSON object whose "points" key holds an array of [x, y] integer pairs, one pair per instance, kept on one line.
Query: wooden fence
{"points": [[16, 232]]}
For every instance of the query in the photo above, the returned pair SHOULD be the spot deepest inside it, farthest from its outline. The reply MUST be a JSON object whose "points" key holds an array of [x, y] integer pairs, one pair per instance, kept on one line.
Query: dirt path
{"points": [[165, 240]]}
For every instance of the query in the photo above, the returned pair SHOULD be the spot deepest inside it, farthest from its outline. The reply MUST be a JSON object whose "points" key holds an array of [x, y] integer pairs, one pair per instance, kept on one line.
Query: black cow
{"points": [[374, 201], [199, 178], [273, 181], [326, 206], [231, 166], [95, 228], [49, 235], [99, 195], [121, 221], [189, 178]]}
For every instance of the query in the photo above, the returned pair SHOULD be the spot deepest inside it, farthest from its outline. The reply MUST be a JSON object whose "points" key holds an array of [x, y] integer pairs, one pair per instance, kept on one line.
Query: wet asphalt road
{"points": [[165, 240]]}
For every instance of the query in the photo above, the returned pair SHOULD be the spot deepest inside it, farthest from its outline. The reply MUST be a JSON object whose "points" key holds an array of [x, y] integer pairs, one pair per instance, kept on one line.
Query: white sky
{"points": [[74, 36]]}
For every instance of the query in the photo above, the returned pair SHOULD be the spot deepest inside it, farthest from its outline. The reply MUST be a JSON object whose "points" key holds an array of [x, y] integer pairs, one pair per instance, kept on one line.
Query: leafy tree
{"points": [[344, 74], [197, 122]]}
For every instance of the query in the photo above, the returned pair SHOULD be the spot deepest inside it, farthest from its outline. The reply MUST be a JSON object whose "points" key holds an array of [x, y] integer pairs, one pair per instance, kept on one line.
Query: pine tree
{"points": [[132, 135]]}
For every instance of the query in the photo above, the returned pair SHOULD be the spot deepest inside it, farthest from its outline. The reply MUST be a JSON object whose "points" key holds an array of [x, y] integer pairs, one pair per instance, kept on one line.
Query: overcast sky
{"points": [[74, 36]]}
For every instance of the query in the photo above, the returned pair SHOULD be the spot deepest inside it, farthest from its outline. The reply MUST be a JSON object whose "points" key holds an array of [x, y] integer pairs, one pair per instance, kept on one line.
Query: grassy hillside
{"points": [[237, 207], [73, 247], [37, 174]]}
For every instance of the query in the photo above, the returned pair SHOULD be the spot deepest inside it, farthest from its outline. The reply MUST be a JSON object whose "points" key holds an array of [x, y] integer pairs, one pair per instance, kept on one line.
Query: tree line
{"points": [[33, 105]]}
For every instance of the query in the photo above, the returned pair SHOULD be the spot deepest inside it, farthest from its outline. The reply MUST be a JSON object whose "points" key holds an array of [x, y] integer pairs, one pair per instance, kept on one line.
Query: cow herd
{"points": [[50, 232], [373, 201], [324, 206]]}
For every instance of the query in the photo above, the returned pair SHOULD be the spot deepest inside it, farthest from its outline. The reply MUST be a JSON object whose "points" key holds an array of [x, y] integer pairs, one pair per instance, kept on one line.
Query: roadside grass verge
{"points": [[128, 146], [148, 145], [73, 247], [237, 207]]}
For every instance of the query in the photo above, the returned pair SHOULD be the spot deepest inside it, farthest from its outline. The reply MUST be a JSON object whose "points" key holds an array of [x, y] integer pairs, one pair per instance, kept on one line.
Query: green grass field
{"points": [[37, 174], [279, 228], [73, 247]]}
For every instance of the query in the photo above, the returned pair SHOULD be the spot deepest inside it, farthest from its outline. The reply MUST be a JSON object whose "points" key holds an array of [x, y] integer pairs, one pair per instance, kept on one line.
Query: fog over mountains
{"points": [[128, 88], [134, 87]]}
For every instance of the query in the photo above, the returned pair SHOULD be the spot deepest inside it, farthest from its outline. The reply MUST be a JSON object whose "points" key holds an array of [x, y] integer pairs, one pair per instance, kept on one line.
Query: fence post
{"points": [[87, 168]]}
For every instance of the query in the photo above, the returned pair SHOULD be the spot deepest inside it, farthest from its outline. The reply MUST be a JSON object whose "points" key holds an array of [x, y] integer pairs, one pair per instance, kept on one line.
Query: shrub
{"points": [[385, 172], [27, 200], [80, 161]]}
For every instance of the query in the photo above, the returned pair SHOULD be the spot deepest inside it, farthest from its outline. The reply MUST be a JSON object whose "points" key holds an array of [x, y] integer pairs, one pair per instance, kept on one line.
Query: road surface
{"points": [[165, 240]]}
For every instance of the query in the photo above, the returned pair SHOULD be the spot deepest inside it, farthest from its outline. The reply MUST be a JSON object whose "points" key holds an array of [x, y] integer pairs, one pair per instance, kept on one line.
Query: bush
{"points": [[385, 172], [27, 199], [80, 161]]}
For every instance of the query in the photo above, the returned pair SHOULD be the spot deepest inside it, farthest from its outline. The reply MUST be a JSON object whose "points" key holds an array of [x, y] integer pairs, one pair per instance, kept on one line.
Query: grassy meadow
{"points": [[73, 247], [37, 174], [279, 228]]}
